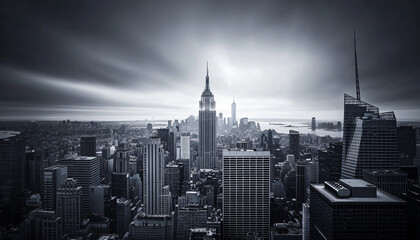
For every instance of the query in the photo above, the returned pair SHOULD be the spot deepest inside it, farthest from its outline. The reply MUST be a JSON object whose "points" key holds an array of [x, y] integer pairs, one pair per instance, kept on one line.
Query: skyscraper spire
{"points": [[356, 70], [207, 78]]}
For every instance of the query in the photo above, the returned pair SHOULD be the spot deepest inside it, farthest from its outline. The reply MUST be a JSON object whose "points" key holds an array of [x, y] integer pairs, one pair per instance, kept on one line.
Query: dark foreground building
{"points": [[413, 211], [355, 209]]}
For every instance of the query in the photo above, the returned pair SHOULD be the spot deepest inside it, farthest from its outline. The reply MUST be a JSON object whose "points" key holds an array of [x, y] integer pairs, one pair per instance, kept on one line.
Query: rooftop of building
{"points": [[230, 153], [77, 157], [148, 217], [289, 228], [363, 190], [55, 167]]}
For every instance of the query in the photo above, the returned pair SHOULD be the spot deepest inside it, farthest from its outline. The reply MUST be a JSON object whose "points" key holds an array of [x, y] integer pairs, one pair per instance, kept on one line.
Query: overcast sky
{"points": [[123, 60]]}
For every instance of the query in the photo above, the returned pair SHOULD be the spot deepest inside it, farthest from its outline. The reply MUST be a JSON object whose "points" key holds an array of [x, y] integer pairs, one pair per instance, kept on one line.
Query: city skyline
{"points": [[308, 129], [113, 65]]}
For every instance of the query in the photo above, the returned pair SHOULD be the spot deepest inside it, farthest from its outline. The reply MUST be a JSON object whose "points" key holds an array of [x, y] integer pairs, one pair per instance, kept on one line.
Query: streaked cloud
{"points": [[135, 60]]}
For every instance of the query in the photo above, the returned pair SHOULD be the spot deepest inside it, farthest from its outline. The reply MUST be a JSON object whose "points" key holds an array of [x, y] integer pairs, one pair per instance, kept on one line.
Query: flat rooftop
{"points": [[381, 196], [247, 153]]}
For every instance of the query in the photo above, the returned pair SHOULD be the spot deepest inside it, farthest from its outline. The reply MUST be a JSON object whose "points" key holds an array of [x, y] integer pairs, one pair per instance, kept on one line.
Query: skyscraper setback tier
{"points": [[207, 146], [369, 138], [246, 194]]}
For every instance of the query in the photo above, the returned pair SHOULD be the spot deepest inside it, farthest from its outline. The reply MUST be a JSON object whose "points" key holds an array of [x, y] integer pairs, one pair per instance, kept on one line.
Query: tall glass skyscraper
{"points": [[207, 129], [369, 139]]}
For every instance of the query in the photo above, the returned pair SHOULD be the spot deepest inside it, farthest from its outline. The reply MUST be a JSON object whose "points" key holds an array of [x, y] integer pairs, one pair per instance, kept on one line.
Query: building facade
{"points": [[53, 177], [369, 139], [86, 170], [153, 175], [246, 193], [69, 205], [355, 209]]}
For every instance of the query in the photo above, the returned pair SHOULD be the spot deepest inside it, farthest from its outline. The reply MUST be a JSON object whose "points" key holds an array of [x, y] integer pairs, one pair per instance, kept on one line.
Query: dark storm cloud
{"points": [[140, 59]]}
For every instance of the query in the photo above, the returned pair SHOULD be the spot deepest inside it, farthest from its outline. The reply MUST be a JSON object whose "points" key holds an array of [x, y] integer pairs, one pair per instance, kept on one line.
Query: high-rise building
{"points": [[88, 146], [122, 159], [392, 181], [313, 123], [369, 139], [290, 184], [123, 216], [294, 143], [300, 184], [35, 165], [173, 178], [246, 193], [185, 145], [69, 205], [152, 227], [270, 140], [153, 175], [190, 217], [165, 201], [306, 222], [355, 209], [406, 145], [45, 225], [120, 185], [163, 134], [106, 152], [311, 176], [176, 139], [330, 162], [353, 108], [12, 163], [412, 197], [221, 120], [207, 146], [86, 170], [263, 142], [98, 196], [53, 177], [233, 111], [136, 189]]}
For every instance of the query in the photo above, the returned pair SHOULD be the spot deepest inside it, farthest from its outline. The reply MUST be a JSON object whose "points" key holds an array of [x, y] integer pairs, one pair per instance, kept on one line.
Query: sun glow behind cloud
{"points": [[147, 60]]}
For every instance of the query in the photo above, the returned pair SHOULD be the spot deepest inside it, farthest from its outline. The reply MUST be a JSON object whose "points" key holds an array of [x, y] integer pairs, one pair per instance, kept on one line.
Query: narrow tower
{"points": [[207, 129], [356, 69]]}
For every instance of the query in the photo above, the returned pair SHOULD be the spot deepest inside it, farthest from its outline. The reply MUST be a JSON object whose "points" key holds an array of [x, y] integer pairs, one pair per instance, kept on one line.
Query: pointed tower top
{"points": [[356, 69], [207, 78]]}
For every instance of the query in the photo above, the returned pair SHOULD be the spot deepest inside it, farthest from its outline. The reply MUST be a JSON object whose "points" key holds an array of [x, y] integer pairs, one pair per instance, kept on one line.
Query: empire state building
{"points": [[207, 129]]}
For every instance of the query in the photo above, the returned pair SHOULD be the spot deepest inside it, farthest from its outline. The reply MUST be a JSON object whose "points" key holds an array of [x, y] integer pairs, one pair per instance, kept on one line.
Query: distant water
{"points": [[300, 126], [7, 134]]}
